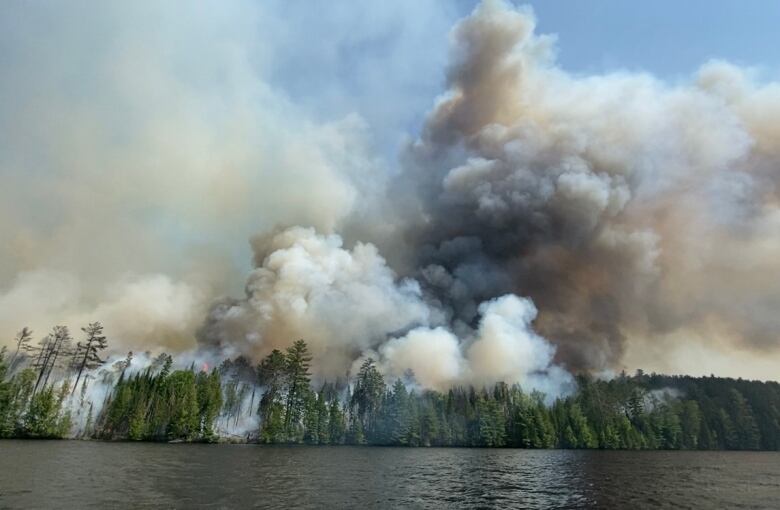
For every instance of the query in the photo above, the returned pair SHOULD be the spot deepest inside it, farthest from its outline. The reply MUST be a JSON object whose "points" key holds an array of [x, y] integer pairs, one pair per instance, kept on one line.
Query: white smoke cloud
{"points": [[151, 139], [341, 301], [137, 311], [504, 348], [434, 356]]}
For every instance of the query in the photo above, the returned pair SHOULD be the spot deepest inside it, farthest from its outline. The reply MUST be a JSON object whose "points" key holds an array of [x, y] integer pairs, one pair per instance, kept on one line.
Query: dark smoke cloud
{"points": [[629, 210]]}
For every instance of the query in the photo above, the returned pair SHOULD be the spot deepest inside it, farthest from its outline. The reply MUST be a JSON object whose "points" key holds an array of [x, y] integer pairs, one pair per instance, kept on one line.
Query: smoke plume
{"points": [[540, 223], [632, 212], [348, 304]]}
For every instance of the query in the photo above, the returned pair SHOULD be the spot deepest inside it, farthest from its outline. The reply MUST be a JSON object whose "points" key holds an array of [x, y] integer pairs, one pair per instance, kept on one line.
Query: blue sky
{"points": [[666, 37], [343, 58]]}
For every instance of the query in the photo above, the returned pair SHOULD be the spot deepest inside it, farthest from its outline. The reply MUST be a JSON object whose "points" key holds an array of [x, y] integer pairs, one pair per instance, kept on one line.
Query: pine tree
{"points": [[271, 375], [57, 345], [22, 341], [745, 428], [690, 422], [336, 425], [86, 354], [183, 402], [367, 397], [209, 395], [298, 362], [398, 415]]}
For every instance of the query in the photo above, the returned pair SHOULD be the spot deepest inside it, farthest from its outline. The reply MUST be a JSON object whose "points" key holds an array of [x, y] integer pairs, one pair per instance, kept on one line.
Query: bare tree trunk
{"points": [[51, 367], [43, 358], [81, 368], [58, 341]]}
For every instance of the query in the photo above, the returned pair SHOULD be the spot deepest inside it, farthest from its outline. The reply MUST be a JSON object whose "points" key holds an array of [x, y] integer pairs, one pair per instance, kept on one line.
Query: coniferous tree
{"points": [[367, 398], [746, 436], [157, 403], [271, 376], [398, 415], [56, 345], [22, 341], [86, 354], [298, 362], [209, 394], [336, 424]]}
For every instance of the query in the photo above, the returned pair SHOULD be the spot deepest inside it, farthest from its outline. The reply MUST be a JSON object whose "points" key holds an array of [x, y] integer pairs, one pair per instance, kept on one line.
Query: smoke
{"points": [[628, 209], [348, 304], [309, 286], [136, 310], [539, 223], [504, 348], [87, 403], [141, 145]]}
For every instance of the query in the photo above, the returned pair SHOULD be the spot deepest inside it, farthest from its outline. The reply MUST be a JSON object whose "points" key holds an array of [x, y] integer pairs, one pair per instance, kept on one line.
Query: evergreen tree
{"points": [[271, 375], [298, 362], [183, 403], [367, 398], [336, 425], [209, 392], [86, 354], [398, 418], [746, 435], [53, 346], [157, 403], [22, 341]]}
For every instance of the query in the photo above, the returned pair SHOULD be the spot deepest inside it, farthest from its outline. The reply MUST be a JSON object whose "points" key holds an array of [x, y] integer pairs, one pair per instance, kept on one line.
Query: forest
{"points": [[284, 405]]}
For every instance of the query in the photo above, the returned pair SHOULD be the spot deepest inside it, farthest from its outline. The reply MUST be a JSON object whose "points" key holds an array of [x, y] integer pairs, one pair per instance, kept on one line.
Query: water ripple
{"points": [[73, 474]]}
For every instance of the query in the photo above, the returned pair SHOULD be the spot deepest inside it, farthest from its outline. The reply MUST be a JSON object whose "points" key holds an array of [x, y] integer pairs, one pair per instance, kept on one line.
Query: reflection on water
{"points": [[76, 474]]}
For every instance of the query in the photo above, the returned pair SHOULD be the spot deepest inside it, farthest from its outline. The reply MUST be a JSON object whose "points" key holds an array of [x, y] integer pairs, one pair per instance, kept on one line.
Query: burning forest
{"points": [[541, 232]]}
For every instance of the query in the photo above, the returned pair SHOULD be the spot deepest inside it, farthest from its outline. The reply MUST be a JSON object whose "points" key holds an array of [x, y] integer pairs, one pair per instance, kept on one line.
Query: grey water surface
{"points": [[85, 474]]}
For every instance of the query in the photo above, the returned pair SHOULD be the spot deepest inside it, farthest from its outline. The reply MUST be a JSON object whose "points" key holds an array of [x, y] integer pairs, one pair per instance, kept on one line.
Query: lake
{"points": [[84, 474]]}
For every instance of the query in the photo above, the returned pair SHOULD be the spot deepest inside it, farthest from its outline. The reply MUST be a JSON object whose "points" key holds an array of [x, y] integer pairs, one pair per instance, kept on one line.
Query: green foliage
{"points": [[6, 399], [45, 418], [271, 376], [297, 363], [159, 404], [367, 400], [209, 394], [178, 405], [87, 354]]}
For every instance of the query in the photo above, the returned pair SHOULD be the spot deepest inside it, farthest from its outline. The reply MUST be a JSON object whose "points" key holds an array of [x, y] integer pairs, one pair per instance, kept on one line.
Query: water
{"points": [[79, 474]]}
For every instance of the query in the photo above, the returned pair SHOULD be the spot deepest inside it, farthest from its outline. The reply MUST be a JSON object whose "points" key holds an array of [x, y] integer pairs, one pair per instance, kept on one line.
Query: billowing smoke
{"points": [[631, 211], [504, 348], [348, 304], [142, 144], [541, 223], [309, 286]]}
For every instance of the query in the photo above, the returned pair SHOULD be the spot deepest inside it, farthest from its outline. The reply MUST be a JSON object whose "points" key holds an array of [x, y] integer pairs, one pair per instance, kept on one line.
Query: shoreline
{"points": [[222, 442]]}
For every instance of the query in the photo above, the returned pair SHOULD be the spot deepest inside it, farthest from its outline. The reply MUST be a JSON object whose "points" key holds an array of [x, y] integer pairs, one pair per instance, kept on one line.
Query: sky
{"points": [[668, 38], [143, 145], [664, 37]]}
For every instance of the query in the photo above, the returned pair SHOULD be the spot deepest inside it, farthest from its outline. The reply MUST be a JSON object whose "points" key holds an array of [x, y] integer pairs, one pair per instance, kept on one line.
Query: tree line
{"points": [[158, 403], [31, 405]]}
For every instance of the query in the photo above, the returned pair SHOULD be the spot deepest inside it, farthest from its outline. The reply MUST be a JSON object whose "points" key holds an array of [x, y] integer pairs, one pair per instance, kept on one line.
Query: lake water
{"points": [[81, 474]]}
